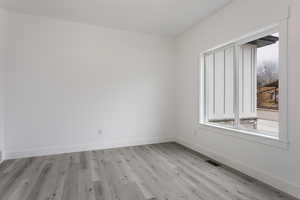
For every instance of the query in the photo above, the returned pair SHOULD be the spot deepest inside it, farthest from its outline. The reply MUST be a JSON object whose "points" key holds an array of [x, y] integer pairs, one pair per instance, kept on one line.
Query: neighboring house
{"points": [[267, 96]]}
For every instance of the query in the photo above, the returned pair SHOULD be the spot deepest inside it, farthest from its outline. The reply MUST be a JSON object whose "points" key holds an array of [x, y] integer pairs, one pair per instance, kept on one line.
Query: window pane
{"points": [[259, 85], [219, 71]]}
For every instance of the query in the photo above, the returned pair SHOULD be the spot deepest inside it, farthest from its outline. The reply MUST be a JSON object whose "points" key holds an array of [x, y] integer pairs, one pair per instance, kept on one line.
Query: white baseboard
{"points": [[291, 189], [83, 147]]}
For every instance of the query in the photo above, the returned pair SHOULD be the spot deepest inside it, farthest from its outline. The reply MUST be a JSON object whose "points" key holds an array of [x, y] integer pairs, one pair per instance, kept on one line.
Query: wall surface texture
{"points": [[2, 24], [276, 166], [72, 87]]}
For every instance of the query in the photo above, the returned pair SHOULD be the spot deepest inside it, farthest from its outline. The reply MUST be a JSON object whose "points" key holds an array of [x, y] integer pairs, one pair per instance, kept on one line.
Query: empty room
{"points": [[149, 100]]}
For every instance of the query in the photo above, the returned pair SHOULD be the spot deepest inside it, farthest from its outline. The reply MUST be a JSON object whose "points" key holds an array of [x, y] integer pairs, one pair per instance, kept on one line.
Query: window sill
{"points": [[246, 135]]}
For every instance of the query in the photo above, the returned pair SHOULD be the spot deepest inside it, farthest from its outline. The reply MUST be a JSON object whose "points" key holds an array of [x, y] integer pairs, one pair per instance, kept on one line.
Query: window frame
{"points": [[256, 136]]}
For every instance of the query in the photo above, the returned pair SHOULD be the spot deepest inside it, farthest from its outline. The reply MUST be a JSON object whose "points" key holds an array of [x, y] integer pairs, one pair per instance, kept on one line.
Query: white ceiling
{"points": [[164, 17]]}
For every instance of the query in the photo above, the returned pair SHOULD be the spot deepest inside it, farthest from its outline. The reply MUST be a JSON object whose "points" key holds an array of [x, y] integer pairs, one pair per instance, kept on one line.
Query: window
{"points": [[243, 84]]}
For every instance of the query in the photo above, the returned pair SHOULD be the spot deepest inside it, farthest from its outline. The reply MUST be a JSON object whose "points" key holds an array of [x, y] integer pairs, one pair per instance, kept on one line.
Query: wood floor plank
{"points": [[149, 180], [70, 191], [138, 175], [198, 177], [60, 181], [86, 185], [26, 182], [7, 183], [133, 177], [152, 172], [6, 166], [103, 181], [36, 191]]}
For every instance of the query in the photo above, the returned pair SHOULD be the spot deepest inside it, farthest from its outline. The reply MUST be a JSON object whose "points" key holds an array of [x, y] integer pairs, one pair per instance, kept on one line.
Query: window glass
{"points": [[219, 81], [241, 86], [259, 85]]}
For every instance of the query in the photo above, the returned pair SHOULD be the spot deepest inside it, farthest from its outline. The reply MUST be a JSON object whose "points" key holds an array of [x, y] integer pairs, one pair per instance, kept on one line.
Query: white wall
{"points": [[279, 167], [2, 24], [65, 81]]}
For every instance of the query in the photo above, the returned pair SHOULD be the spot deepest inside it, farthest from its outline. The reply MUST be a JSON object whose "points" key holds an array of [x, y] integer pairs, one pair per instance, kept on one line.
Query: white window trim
{"points": [[282, 141]]}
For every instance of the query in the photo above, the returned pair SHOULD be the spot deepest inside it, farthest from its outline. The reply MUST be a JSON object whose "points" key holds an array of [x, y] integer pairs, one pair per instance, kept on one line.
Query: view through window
{"points": [[266, 72], [242, 86]]}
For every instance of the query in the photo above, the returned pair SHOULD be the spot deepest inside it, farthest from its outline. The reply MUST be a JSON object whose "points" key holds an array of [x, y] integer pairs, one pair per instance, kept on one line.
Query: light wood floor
{"points": [[154, 172]]}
